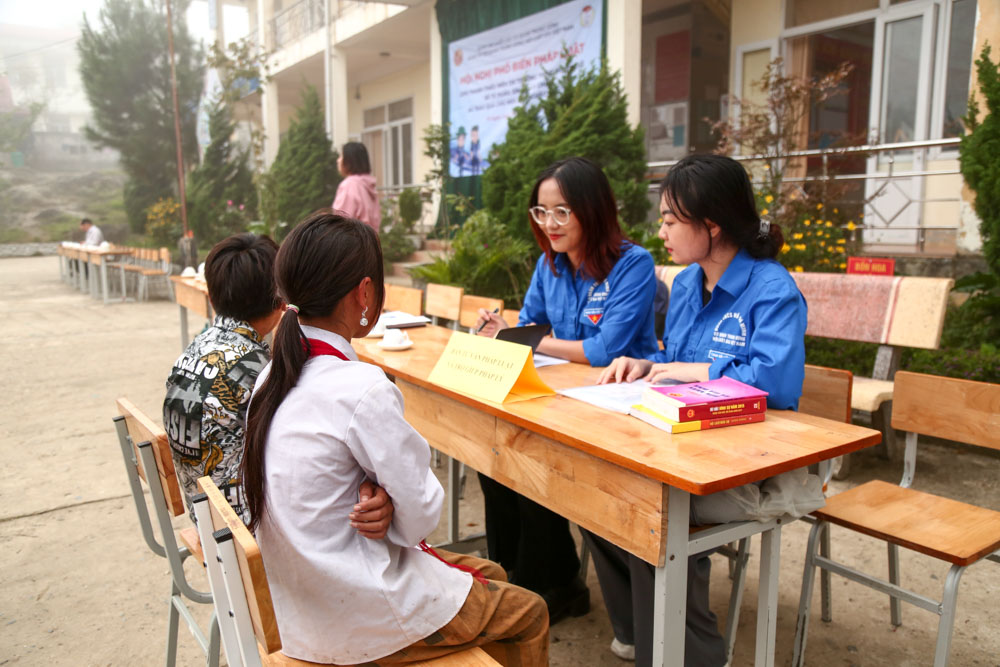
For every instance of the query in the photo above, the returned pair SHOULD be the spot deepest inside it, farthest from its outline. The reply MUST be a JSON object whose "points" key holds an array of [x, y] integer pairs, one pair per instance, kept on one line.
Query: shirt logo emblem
{"points": [[595, 317]]}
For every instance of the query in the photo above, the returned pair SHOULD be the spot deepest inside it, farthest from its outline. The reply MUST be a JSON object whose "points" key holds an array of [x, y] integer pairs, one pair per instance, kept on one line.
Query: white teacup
{"points": [[379, 328], [395, 337]]}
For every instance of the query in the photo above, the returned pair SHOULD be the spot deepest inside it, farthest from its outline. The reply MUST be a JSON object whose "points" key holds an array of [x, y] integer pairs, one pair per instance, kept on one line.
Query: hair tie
{"points": [[293, 307], [765, 228]]}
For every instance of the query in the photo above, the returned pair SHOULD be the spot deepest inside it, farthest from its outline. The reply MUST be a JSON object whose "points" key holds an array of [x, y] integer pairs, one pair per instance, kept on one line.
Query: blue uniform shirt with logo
{"points": [[752, 329], [613, 317]]}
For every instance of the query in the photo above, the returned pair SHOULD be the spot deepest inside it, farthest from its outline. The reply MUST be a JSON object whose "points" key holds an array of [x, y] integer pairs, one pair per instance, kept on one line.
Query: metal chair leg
{"points": [[826, 603], [895, 605], [214, 643], [172, 623], [805, 598], [738, 565], [947, 622]]}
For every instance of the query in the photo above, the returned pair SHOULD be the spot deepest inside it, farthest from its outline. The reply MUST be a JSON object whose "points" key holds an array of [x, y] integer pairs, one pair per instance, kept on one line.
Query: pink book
{"points": [[679, 399]]}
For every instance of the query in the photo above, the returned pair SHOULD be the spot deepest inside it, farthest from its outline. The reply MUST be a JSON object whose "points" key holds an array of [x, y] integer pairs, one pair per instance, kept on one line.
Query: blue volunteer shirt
{"points": [[613, 317], [752, 329]]}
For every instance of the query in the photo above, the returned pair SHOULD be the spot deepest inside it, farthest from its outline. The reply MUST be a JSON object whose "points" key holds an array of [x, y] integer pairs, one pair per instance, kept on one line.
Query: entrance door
{"points": [[899, 112]]}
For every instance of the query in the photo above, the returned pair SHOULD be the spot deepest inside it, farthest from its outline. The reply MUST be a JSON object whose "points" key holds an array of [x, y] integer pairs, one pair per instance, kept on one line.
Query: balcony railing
{"points": [[892, 191], [299, 20]]}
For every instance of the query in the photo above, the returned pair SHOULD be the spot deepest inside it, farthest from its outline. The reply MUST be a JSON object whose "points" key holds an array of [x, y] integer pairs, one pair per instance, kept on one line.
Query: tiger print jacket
{"points": [[205, 408]]}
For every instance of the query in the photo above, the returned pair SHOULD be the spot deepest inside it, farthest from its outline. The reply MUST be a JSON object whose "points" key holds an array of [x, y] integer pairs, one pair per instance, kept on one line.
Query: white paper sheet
{"points": [[543, 360]]}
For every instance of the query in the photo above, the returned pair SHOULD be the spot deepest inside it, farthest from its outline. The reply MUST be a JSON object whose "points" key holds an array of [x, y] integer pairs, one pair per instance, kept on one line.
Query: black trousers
{"points": [[531, 542], [627, 584]]}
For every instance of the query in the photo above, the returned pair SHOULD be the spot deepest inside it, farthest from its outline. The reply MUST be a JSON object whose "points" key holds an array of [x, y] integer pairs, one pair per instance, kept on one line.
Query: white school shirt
{"points": [[94, 237], [339, 597]]}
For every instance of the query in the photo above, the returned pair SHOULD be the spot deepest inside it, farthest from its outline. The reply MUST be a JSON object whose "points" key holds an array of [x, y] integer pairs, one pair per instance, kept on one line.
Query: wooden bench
{"points": [[895, 313], [251, 633], [946, 529]]}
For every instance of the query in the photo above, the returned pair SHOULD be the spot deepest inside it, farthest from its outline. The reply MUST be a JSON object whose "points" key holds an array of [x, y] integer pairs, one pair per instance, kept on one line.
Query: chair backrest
{"points": [[407, 299], [900, 311], [143, 429], [826, 392], [251, 576], [666, 274], [511, 316], [472, 304], [949, 408], [444, 301]]}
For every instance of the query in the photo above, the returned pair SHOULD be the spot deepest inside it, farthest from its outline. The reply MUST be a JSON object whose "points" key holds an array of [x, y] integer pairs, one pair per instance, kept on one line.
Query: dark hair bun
{"points": [[767, 246]]}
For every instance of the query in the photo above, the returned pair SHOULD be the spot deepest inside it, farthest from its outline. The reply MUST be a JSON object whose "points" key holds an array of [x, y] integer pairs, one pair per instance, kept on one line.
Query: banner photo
{"points": [[487, 70]]}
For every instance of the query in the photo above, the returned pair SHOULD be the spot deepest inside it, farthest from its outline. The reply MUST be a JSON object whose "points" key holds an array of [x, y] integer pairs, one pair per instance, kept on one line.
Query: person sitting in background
{"points": [[92, 233], [209, 387], [356, 195]]}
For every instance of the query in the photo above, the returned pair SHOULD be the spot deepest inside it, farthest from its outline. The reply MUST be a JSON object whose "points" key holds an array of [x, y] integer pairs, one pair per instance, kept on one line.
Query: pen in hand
{"points": [[496, 311]]}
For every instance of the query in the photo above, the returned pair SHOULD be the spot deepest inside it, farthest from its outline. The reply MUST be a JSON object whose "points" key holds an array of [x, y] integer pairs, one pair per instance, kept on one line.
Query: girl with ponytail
{"points": [[734, 311], [320, 424]]}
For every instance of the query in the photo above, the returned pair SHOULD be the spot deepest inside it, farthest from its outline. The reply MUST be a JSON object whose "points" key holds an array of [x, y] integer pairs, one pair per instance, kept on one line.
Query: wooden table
{"points": [[616, 476], [192, 295], [99, 258]]}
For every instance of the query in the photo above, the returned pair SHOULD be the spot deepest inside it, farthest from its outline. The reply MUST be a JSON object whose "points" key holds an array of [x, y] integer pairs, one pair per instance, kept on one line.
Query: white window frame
{"points": [[389, 161]]}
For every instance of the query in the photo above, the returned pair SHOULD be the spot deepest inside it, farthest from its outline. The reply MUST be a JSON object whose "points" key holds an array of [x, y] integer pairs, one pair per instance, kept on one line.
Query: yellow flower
{"points": [[836, 211], [851, 226], [786, 248], [819, 207], [822, 244], [799, 269], [768, 199], [797, 235], [842, 265], [800, 246], [841, 241], [807, 222], [763, 211], [829, 223]]}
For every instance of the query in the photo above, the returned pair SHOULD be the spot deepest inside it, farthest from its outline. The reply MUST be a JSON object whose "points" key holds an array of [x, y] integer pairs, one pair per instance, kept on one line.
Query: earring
{"points": [[364, 320]]}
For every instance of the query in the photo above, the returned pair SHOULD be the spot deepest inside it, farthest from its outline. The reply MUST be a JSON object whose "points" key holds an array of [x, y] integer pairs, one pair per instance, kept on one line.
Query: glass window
{"points": [[958, 73], [900, 80], [802, 12], [401, 109], [408, 153], [374, 116]]}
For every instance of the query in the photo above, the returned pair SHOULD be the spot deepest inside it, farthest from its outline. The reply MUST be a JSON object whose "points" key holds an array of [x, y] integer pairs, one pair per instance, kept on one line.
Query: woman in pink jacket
{"points": [[356, 195]]}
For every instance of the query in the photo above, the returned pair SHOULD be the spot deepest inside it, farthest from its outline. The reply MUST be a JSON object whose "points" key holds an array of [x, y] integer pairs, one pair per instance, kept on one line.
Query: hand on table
{"points": [[373, 513], [625, 369]]}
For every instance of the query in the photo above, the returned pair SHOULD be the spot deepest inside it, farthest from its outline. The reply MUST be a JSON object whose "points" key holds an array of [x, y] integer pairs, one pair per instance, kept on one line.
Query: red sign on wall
{"points": [[873, 266]]}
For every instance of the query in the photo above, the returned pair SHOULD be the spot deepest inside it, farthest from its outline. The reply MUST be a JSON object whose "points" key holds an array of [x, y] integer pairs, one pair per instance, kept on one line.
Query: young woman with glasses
{"points": [[596, 289]]}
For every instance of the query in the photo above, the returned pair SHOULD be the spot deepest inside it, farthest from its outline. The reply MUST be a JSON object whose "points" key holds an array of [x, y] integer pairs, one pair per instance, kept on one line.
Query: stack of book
{"points": [[700, 405]]}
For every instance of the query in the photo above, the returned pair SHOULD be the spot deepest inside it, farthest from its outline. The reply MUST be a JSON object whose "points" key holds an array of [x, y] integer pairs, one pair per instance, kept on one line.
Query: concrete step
{"points": [[424, 256], [401, 269], [439, 245]]}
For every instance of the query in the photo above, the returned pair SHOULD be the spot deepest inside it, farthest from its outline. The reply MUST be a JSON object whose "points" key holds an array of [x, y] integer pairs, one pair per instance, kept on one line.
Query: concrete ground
{"points": [[78, 586]]}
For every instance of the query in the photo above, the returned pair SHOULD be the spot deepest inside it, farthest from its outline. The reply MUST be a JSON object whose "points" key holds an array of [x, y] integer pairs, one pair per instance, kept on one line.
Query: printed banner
{"points": [[875, 266], [487, 70], [490, 369]]}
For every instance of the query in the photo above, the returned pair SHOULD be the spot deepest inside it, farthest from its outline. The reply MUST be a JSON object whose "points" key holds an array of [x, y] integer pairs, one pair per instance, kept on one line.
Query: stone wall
{"points": [[27, 249]]}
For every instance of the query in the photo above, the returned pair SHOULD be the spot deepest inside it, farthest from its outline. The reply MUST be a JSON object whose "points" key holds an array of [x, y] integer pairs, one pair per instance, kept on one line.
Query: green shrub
{"points": [[978, 156], [411, 207], [396, 245], [487, 260]]}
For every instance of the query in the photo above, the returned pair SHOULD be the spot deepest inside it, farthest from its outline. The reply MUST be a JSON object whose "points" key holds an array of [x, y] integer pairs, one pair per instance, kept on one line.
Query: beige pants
{"points": [[507, 621]]}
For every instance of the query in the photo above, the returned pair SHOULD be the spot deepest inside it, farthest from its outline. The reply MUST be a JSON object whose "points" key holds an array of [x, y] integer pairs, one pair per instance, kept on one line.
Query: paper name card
{"points": [[490, 369]]}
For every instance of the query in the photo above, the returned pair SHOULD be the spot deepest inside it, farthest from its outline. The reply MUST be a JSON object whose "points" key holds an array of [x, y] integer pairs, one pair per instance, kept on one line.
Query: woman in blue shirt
{"points": [[596, 289], [735, 312]]}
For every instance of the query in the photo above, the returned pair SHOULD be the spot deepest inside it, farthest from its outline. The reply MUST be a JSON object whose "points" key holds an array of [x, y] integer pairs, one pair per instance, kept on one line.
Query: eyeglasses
{"points": [[541, 215]]}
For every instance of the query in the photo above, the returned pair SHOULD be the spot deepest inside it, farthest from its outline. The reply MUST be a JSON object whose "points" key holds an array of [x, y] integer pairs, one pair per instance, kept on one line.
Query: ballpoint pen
{"points": [[496, 311]]}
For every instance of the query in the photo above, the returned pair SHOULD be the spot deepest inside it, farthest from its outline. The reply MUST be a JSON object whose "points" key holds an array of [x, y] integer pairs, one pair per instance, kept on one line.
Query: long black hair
{"points": [[355, 158], [322, 260], [705, 187]]}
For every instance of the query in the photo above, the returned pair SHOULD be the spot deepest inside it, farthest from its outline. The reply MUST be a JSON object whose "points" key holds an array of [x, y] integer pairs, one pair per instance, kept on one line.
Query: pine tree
{"points": [[581, 115], [304, 173], [125, 69], [978, 152], [223, 176]]}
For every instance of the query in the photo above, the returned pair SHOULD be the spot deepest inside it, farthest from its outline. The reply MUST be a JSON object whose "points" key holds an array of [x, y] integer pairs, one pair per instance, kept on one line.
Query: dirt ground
{"points": [[79, 587]]}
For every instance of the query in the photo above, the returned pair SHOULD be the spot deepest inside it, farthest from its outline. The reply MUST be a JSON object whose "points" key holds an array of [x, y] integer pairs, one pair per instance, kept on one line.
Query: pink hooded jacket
{"points": [[356, 196]]}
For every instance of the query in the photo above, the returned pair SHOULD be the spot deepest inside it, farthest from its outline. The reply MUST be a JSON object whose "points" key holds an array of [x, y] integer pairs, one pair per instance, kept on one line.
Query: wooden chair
{"points": [[471, 305], [148, 459], [244, 600], [510, 316], [949, 530], [444, 302], [157, 272], [405, 299], [826, 392]]}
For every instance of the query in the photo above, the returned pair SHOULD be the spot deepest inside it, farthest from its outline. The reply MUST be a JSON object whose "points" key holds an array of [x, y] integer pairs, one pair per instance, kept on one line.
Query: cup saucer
{"points": [[400, 346]]}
